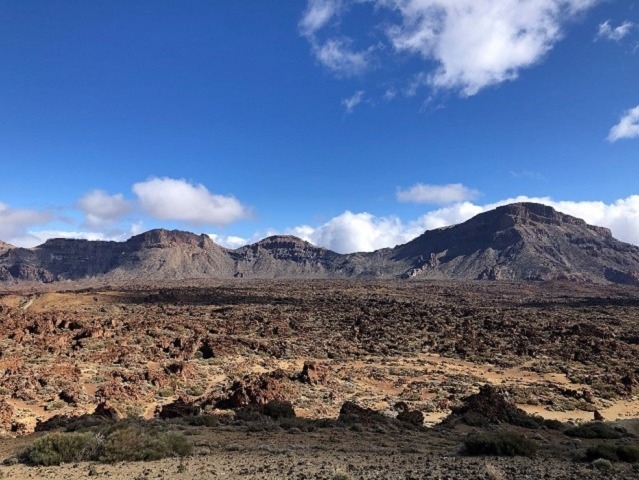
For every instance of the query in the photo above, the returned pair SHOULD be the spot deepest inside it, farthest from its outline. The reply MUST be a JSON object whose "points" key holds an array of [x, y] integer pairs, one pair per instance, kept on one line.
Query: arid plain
{"points": [[216, 350]]}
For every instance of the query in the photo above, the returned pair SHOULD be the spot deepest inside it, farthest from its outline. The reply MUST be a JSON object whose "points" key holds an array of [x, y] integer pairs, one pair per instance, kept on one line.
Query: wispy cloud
{"points": [[334, 52], [607, 32], [15, 222], [471, 43], [351, 102], [338, 56], [628, 126], [436, 194], [177, 199], [318, 14]]}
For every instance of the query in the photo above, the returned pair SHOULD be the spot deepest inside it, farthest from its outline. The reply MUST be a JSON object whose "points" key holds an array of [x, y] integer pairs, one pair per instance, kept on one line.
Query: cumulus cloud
{"points": [[101, 209], [628, 126], [607, 32], [363, 232], [354, 232], [229, 241], [14, 222], [436, 194], [466, 45], [351, 102], [177, 199]]}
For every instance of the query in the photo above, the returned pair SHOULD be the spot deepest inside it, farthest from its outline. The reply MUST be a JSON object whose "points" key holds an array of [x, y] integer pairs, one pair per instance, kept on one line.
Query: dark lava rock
{"points": [[490, 407]]}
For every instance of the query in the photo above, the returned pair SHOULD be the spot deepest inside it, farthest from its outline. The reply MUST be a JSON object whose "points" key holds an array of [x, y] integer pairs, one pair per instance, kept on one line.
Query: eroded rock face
{"points": [[6, 415], [313, 374], [256, 391]]}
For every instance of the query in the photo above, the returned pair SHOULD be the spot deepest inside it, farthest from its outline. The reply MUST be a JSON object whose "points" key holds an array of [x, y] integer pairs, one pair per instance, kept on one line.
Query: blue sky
{"points": [[355, 124]]}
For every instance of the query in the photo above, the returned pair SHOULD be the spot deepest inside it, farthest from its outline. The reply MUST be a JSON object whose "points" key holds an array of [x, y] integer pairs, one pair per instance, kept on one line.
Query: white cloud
{"points": [[364, 232], [351, 102], [354, 232], [101, 209], [390, 93], [628, 126], [231, 242], [38, 237], [335, 53], [318, 14], [338, 56], [477, 43], [607, 32], [466, 45], [177, 199], [436, 194], [14, 222]]}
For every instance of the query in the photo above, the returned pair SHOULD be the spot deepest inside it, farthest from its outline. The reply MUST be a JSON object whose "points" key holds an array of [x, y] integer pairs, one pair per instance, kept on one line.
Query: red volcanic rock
{"points": [[182, 407], [312, 374], [6, 415], [255, 391], [106, 410]]}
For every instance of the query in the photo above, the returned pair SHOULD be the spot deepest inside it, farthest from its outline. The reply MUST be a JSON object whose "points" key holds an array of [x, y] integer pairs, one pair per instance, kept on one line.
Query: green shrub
{"points": [[58, 448], [551, 424], [614, 453], [602, 464], [140, 444], [607, 452], [628, 453], [125, 441], [594, 430], [502, 443]]}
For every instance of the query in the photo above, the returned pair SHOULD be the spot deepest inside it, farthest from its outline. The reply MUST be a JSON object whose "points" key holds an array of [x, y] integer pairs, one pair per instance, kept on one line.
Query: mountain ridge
{"points": [[520, 241]]}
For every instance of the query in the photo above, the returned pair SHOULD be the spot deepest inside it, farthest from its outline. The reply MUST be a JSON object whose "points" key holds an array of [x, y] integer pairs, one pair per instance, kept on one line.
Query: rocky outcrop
{"points": [[255, 391], [6, 415], [490, 407], [521, 241]]}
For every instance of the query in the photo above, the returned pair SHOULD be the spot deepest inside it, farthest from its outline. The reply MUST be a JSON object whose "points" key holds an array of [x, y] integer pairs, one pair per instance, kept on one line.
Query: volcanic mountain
{"points": [[521, 241]]}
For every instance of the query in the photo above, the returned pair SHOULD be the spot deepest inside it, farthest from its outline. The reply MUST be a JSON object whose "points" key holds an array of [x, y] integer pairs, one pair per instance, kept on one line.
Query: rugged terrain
{"points": [[562, 350], [522, 241]]}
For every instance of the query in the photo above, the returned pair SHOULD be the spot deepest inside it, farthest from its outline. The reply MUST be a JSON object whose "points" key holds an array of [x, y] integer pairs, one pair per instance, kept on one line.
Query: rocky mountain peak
{"points": [[161, 238], [521, 241], [284, 242], [5, 246]]}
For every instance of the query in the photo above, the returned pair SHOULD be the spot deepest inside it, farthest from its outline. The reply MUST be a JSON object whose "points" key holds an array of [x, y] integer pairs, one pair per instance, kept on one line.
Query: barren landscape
{"points": [[216, 349]]}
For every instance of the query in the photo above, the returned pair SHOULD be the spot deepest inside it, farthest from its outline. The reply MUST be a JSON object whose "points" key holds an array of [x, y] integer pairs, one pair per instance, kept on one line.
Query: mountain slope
{"points": [[523, 241]]}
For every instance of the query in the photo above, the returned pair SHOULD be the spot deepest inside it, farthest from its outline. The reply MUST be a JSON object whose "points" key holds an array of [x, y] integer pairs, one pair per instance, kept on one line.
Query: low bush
{"points": [[136, 444], [58, 448], [117, 442], [502, 443], [551, 424], [614, 453], [602, 464], [594, 430]]}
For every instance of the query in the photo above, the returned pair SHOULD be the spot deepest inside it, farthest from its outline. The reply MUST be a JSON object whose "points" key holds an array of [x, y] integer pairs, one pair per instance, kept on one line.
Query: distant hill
{"points": [[521, 241]]}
